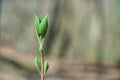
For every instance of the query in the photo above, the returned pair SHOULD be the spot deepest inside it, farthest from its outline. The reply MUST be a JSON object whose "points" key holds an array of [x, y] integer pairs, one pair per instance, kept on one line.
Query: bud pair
{"points": [[38, 65], [41, 26]]}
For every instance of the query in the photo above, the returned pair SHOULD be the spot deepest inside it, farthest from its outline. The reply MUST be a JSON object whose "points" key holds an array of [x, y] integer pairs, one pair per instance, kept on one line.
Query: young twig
{"points": [[42, 65], [41, 29]]}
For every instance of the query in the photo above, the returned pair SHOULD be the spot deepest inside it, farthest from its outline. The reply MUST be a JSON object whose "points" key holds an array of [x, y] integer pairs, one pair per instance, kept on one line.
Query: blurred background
{"points": [[82, 42]]}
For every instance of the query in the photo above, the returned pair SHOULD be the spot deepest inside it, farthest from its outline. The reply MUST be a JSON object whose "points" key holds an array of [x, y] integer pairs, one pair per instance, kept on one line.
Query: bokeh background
{"points": [[82, 42]]}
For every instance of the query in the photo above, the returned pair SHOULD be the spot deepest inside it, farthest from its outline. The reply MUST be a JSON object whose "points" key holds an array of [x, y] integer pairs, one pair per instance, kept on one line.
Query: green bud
{"points": [[38, 63], [46, 66], [37, 23], [41, 26]]}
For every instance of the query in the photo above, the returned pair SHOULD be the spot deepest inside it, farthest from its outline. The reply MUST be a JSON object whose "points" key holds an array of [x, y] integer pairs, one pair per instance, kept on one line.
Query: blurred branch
{"points": [[20, 60]]}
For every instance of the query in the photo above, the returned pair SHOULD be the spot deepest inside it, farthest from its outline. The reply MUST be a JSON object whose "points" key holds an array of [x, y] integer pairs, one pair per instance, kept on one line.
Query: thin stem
{"points": [[42, 65], [41, 41]]}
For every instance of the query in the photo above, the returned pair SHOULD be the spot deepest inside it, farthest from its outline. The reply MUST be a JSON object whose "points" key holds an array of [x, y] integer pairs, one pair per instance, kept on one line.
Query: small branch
{"points": [[41, 27], [18, 58]]}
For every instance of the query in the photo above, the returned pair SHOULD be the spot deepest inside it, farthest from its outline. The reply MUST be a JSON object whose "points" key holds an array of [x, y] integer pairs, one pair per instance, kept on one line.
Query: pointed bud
{"points": [[37, 23], [46, 66], [43, 26], [38, 63]]}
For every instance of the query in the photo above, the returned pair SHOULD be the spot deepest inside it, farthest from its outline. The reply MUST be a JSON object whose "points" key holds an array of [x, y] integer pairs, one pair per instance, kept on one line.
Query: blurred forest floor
{"points": [[19, 66]]}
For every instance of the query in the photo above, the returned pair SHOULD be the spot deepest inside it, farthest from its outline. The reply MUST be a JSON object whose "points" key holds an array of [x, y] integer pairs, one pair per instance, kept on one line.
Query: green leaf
{"points": [[38, 63], [46, 66], [37, 23], [43, 27]]}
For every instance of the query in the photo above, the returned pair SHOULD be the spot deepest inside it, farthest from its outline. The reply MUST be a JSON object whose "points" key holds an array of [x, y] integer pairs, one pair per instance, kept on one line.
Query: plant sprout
{"points": [[41, 27]]}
